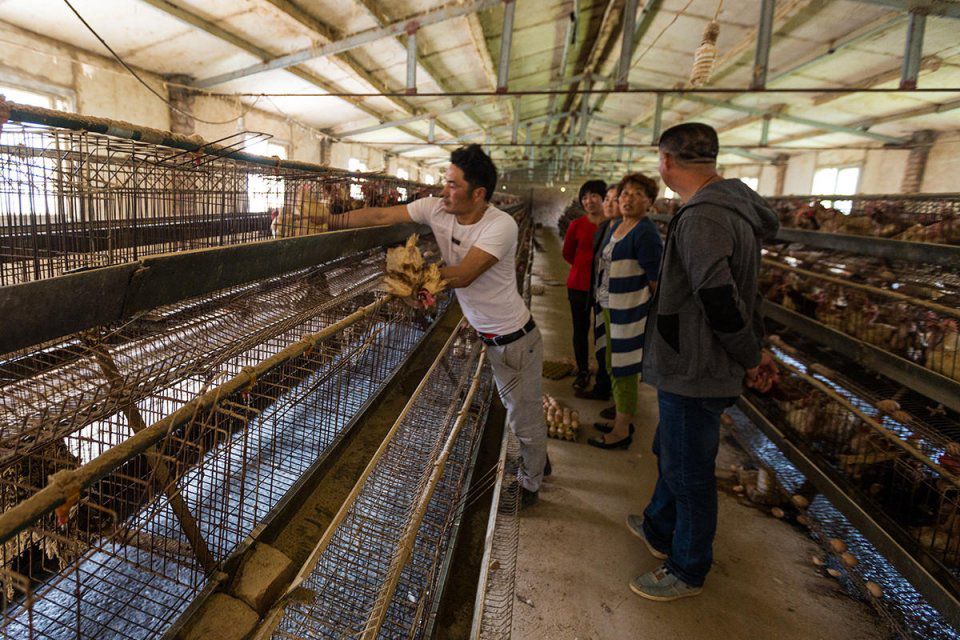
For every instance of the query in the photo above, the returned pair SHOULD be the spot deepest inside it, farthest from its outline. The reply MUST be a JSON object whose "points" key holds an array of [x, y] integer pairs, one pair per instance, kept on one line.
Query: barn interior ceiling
{"points": [[547, 79]]}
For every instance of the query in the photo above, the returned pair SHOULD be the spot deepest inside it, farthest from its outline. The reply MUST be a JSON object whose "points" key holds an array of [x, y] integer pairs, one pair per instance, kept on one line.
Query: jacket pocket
{"points": [[668, 326]]}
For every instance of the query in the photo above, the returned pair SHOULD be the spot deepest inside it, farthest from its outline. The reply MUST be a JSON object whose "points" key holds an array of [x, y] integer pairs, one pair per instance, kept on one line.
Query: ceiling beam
{"points": [[304, 74], [441, 14], [780, 115], [942, 8], [381, 18], [398, 123], [346, 60], [925, 110], [479, 40], [610, 25]]}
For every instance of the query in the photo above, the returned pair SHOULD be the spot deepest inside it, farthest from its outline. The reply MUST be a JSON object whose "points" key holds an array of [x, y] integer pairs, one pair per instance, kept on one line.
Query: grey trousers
{"points": [[517, 370]]}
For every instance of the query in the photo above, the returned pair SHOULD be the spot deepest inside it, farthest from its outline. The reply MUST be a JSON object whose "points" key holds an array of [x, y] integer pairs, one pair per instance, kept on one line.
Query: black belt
{"points": [[507, 338]]}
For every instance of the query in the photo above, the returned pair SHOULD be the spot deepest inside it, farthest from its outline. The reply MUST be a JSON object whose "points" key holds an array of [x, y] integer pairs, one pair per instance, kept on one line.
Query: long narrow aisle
{"points": [[576, 555]]}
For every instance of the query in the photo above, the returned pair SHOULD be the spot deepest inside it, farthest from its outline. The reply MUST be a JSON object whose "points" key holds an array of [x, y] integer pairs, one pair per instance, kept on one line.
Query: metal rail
{"points": [[911, 375], [924, 252], [42, 310]]}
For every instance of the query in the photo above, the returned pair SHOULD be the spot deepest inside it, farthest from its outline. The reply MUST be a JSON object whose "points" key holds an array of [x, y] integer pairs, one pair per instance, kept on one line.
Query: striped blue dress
{"points": [[635, 262]]}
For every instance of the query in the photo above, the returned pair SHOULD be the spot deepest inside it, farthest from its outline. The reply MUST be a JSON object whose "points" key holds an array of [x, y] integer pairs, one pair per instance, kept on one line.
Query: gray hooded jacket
{"points": [[704, 329]]}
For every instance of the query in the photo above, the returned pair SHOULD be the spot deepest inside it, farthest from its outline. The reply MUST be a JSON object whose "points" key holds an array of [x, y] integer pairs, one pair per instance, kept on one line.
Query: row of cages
{"points": [[906, 309], [75, 199], [135, 546], [929, 218], [889, 449]]}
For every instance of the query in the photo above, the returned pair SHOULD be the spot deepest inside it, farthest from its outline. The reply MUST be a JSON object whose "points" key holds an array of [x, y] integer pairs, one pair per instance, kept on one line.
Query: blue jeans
{"points": [[681, 519]]}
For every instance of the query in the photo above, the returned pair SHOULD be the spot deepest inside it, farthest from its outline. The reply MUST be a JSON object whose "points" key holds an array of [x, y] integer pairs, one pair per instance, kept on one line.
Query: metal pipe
{"points": [[447, 12], [623, 129], [945, 8], [764, 37], [412, 60], [626, 45], [765, 131], [657, 120], [506, 39], [514, 135], [584, 111], [913, 51]]}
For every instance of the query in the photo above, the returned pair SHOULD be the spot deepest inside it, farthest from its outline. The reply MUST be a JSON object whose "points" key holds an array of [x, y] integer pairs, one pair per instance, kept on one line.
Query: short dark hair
{"points": [[691, 142], [598, 187], [478, 169], [648, 184]]}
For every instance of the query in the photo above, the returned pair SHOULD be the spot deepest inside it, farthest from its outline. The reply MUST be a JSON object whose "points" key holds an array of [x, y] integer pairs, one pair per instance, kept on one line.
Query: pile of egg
{"points": [[562, 422]]}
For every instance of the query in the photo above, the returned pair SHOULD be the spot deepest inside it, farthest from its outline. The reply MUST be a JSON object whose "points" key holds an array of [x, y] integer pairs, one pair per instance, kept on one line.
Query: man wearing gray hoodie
{"points": [[702, 345]]}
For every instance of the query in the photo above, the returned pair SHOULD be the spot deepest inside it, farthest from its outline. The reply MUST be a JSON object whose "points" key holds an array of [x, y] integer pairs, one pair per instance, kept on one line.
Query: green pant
{"points": [[624, 387]]}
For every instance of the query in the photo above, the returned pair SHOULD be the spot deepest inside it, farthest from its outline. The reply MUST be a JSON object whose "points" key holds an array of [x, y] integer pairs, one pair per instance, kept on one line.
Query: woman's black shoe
{"points": [[609, 413], [604, 427], [593, 394], [599, 443], [582, 381]]}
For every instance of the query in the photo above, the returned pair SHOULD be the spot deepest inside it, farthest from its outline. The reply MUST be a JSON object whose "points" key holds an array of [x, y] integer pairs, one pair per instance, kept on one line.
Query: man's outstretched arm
{"points": [[371, 217]]}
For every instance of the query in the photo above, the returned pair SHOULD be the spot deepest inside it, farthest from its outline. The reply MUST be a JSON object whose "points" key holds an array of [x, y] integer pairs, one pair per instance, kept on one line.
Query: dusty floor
{"points": [[576, 555]]}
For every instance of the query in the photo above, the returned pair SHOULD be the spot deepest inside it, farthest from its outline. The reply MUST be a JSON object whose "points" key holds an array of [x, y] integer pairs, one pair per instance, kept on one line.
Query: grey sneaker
{"points": [[662, 586], [635, 524]]}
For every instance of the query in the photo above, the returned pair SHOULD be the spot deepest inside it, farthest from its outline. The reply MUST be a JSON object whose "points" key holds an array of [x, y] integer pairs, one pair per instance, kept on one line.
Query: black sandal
{"points": [[601, 443], [606, 427]]}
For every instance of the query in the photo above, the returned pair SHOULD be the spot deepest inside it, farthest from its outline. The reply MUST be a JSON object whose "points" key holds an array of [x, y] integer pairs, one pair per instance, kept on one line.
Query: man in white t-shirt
{"points": [[478, 243]]}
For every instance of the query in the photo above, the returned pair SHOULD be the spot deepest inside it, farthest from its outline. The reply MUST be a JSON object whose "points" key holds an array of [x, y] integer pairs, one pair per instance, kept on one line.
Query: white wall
{"points": [[941, 173], [881, 170]]}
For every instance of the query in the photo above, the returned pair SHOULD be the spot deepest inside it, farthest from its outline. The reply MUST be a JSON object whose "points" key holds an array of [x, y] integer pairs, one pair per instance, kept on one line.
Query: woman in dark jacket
{"points": [[626, 275], [601, 386]]}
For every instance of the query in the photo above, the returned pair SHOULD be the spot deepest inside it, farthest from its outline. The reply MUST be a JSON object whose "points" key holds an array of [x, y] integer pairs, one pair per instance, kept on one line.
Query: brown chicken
{"points": [[410, 278]]}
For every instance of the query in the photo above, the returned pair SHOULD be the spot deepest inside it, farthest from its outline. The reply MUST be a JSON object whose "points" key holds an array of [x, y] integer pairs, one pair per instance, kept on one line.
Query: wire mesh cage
{"points": [[136, 457], [902, 466], [73, 199], [916, 218], [142, 540], [364, 567], [909, 311]]}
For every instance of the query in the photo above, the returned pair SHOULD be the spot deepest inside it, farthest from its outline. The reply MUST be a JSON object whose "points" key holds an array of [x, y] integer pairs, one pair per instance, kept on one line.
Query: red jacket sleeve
{"points": [[570, 242]]}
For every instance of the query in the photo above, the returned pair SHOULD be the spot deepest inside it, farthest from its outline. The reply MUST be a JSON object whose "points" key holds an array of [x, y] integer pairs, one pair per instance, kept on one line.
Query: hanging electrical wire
{"points": [[144, 82]]}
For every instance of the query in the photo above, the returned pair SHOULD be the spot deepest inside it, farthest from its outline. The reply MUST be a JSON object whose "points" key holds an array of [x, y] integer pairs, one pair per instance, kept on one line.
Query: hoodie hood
{"points": [[734, 195]]}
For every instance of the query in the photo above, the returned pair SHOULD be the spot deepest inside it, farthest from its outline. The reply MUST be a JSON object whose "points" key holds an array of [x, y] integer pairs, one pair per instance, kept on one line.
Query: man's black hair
{"points": [[691, 142], [598, 187], [478, 169]]}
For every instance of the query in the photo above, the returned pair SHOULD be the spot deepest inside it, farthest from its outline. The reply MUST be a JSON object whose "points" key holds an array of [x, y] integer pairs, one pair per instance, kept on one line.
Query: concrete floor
{"points": [[576, 555]]}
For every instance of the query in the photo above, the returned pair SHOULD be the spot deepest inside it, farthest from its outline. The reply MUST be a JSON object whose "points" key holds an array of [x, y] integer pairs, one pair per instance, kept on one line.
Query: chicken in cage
{"points": [[929, 219]]}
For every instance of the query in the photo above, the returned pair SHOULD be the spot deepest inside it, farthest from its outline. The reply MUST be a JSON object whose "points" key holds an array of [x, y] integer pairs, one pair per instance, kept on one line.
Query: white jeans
{"points": [[517, 369]]}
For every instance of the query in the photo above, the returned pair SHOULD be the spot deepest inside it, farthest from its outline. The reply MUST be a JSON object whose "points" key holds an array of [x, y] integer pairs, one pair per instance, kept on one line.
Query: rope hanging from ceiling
{"points": [[706, 54]]}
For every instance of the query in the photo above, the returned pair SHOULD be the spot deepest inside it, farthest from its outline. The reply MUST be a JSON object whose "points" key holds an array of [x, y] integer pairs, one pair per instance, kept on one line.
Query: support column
{"points": [[181, 118], [506, 39], [412, 60], [764, 37], [913, 52], [917, 161], [626, 45]]}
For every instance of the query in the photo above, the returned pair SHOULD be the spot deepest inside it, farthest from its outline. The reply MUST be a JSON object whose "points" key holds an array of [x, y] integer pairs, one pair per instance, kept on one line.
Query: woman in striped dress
{"points": [[626, 278]]}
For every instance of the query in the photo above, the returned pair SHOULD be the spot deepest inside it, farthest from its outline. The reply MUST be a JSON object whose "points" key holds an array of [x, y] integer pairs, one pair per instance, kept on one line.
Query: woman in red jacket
{"points": [[578, 252]]}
